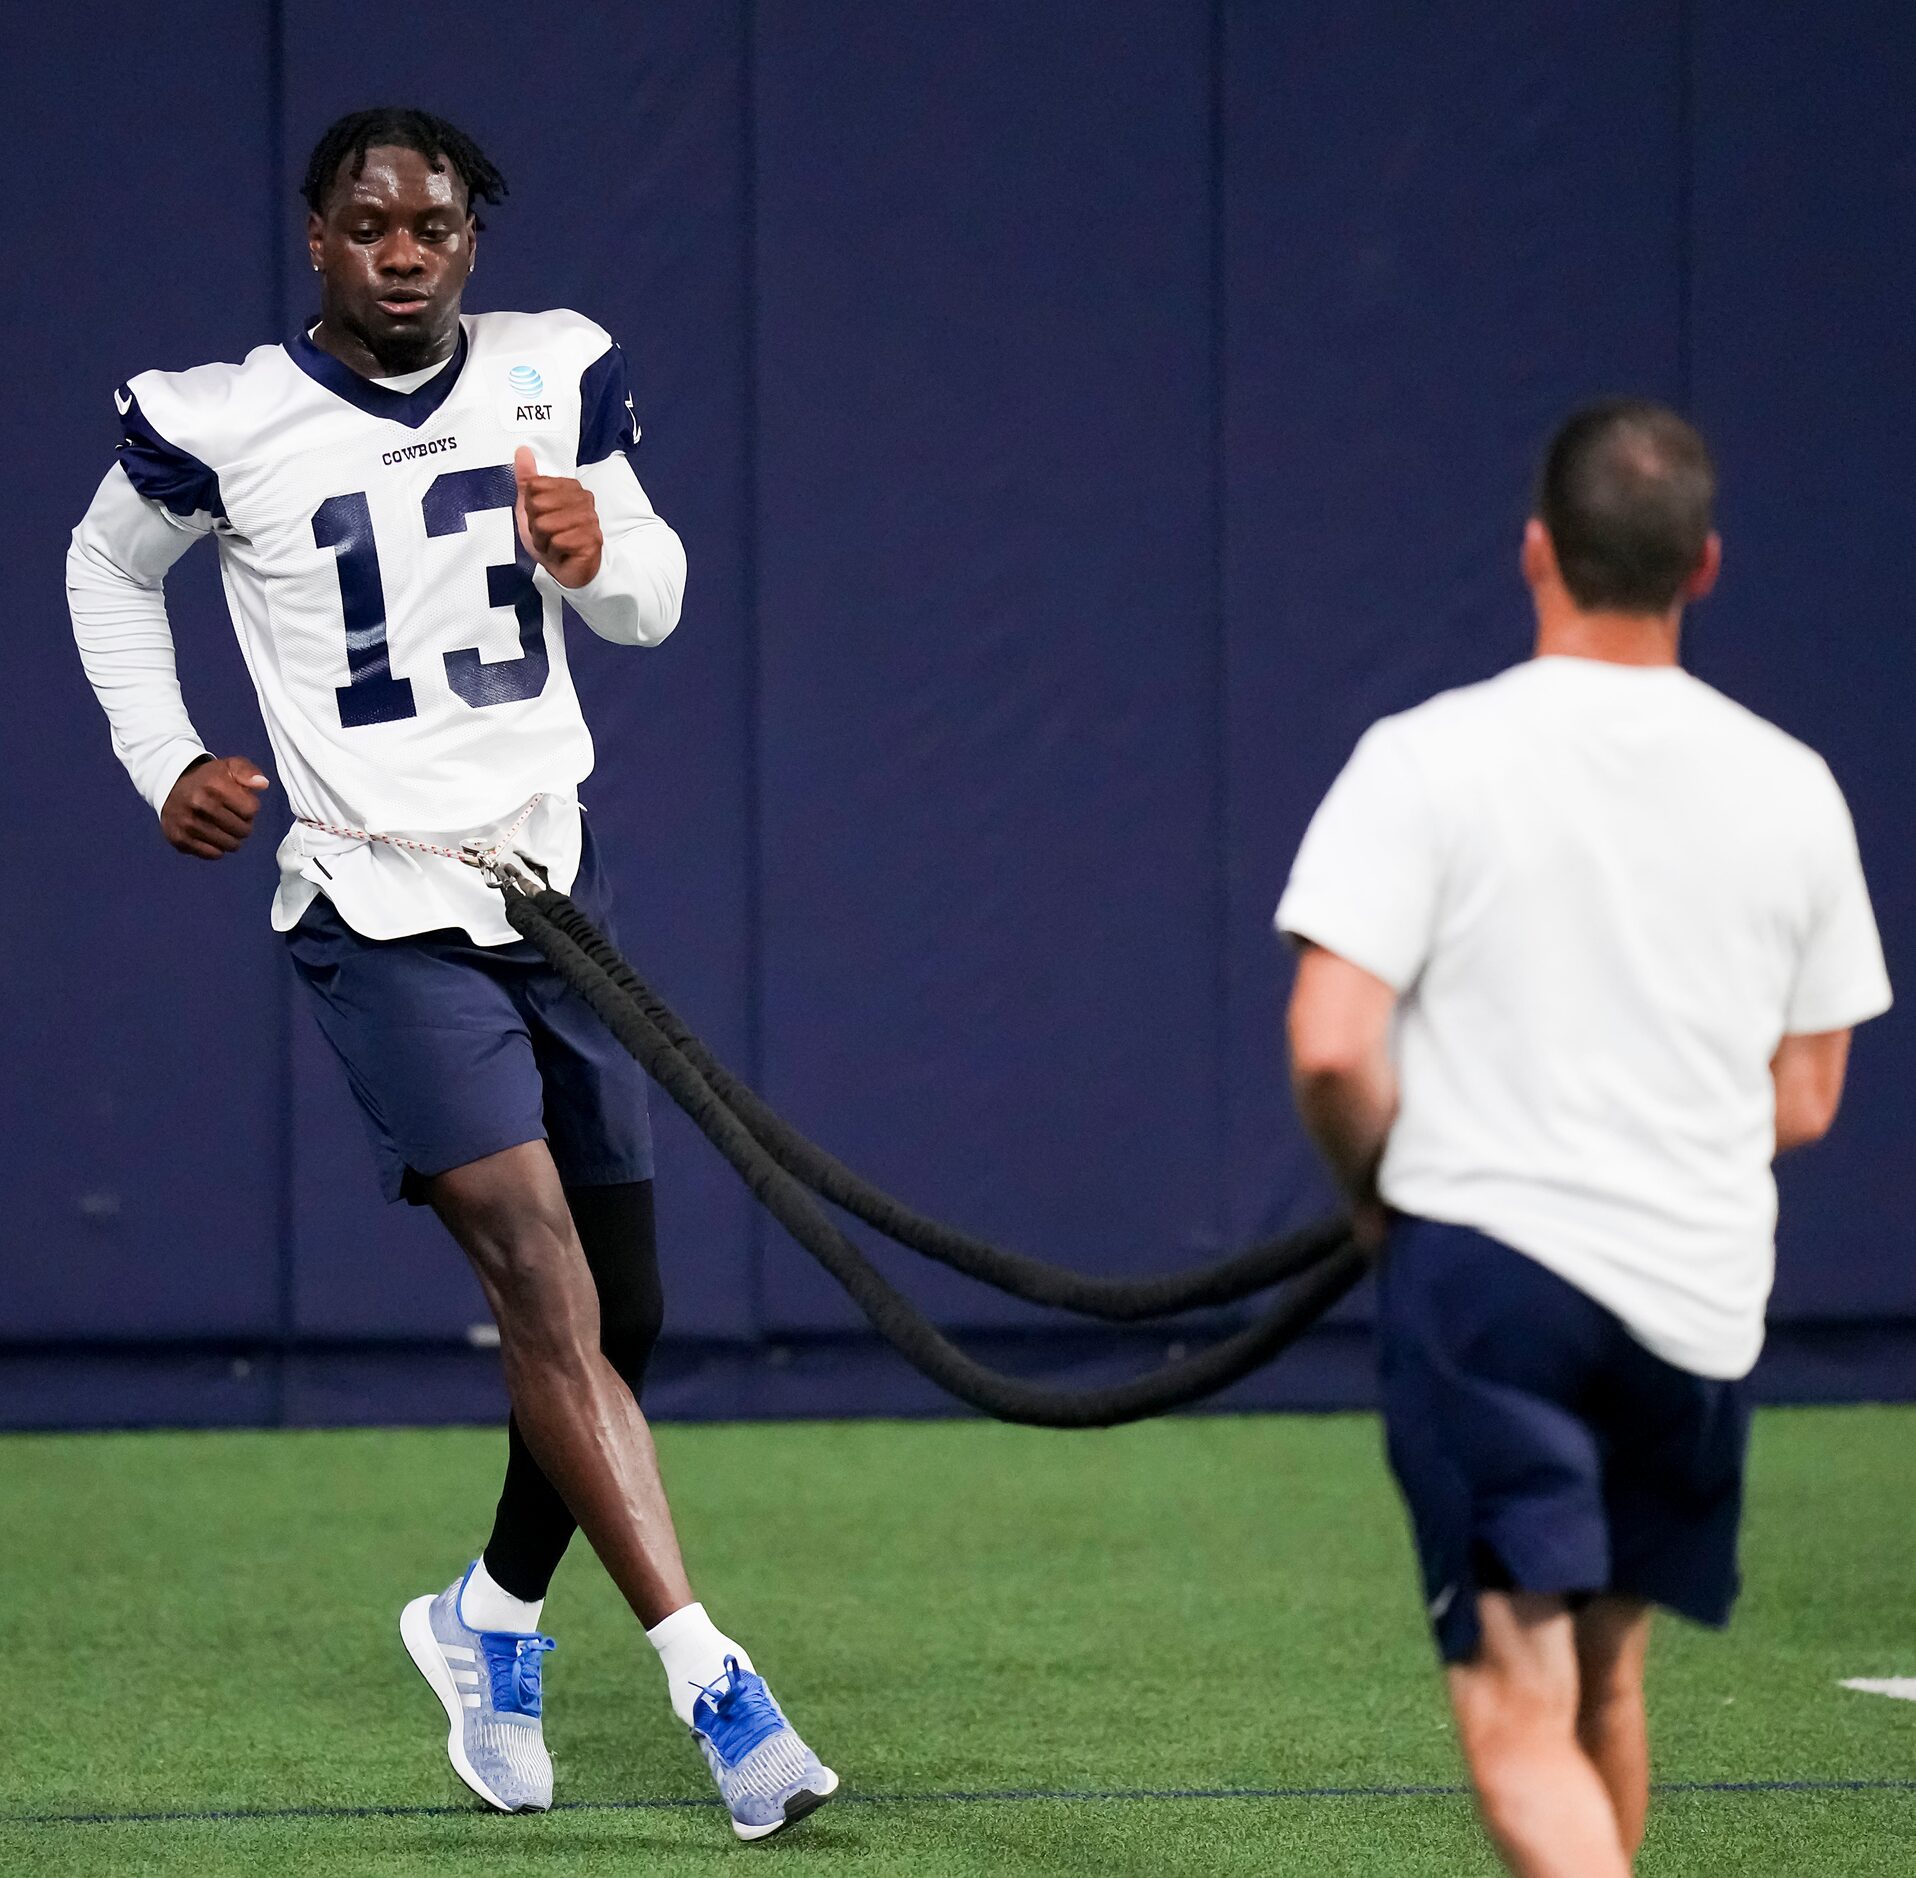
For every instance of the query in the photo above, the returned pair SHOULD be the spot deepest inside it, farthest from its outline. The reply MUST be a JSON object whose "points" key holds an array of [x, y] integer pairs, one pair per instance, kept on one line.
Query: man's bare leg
{"points": [[1516, 1705], [509, 1213], [1613, 1640]]}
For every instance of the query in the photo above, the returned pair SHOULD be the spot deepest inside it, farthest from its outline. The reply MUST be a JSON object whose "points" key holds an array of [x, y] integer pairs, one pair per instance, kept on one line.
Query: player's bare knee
{"points": [[547, 1332], [514, 1236], [537, 1283]]}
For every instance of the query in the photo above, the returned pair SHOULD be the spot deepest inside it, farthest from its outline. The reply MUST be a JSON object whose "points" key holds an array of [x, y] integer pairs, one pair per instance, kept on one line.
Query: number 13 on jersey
{"points": [[372, 694]]}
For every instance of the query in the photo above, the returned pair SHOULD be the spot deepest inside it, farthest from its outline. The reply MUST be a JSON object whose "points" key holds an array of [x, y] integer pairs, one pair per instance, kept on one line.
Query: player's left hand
{"points": [[558, 522]]}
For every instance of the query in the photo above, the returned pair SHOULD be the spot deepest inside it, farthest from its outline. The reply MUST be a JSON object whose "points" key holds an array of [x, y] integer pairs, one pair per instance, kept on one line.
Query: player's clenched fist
{"points": [[558, 522], [210, 810]]}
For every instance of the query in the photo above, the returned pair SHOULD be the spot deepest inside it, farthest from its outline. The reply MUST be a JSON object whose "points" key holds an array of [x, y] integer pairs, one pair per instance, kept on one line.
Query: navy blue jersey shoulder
{"points": [[161, 471], [607, 422]]}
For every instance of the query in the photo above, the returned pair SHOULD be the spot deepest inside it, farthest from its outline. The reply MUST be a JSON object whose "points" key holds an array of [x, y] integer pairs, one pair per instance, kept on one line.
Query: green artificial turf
{"points": [[204, 1623]]}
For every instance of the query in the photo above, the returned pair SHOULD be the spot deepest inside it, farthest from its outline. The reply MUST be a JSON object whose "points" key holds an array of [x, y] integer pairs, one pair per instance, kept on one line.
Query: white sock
{"points": [[485, 1605], [692, 1651]]}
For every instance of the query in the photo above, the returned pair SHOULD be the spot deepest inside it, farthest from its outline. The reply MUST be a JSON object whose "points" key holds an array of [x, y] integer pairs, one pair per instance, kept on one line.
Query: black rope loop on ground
{"points": [[1327, 1268]]}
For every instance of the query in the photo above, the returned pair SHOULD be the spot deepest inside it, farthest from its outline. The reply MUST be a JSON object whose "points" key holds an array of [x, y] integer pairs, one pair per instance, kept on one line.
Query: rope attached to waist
{"points": [[474, 854]]}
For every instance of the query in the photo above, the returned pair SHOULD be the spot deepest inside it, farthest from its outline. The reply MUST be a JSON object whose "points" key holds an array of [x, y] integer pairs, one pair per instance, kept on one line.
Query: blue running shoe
{"points": [[488, 1683], [767, 1777]]}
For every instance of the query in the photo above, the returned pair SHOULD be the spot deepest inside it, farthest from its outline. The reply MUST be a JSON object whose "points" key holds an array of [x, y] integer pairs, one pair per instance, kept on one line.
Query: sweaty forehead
{"points": [[396, 177]]}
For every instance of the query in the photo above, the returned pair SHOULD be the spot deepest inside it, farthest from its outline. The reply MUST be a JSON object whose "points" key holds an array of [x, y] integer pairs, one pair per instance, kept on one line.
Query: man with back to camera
{"points": [[402, 499], [1582, 949]]}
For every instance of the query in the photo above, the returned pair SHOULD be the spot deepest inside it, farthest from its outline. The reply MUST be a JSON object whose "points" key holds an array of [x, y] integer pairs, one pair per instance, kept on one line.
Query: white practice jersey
{"points": [[408, 654]]}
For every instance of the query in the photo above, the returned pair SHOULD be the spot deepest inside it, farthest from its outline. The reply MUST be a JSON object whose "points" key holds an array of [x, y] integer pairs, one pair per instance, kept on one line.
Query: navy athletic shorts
{"points": [[1540, 1447], [457, 1050]]}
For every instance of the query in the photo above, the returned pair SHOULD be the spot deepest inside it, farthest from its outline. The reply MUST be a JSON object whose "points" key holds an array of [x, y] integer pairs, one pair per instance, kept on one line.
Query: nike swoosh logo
{"points": [[122, 403]]}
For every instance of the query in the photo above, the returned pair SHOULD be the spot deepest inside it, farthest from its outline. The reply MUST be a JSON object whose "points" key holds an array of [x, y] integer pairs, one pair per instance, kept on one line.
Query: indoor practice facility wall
{"points": [[1082, 422]]}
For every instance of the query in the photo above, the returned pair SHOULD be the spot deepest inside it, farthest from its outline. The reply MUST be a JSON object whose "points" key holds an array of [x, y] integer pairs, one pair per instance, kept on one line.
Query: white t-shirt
{"points": [[1604, 893]]}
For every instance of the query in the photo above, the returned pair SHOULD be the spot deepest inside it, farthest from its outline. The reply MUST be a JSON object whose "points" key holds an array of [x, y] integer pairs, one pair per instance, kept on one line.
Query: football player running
{"points": [[402, 497]]}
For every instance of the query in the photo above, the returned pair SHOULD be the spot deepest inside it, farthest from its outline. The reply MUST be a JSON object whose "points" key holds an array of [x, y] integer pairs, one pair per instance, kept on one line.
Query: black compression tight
{"points": [[532, 1527]]}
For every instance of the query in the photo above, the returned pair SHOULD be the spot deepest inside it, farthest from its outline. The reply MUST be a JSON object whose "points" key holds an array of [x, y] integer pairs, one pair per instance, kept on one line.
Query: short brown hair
{"points": [[1626, 491]]}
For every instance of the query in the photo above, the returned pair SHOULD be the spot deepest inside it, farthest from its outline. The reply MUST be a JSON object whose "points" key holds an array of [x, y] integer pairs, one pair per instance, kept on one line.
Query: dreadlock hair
{"points": [[349, 138]]}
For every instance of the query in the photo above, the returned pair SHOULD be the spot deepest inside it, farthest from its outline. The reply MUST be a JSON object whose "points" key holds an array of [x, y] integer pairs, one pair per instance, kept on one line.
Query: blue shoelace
{"points": [[514, 1664], [736, 1712]]}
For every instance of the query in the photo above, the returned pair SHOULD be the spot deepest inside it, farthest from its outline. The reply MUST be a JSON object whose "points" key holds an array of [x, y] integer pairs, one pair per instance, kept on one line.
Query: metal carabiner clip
{"points": [[503, 870]]}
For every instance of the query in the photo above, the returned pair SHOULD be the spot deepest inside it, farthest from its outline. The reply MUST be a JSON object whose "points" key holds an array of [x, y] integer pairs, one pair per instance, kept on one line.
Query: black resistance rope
{"points": [[784, 1170]]}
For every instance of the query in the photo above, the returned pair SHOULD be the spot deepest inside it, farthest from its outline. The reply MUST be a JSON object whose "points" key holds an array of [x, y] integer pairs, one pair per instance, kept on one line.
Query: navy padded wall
{"points": [[1805, 271], [1441, 232], [1082, 421], [989, 624], [140, 1016]]}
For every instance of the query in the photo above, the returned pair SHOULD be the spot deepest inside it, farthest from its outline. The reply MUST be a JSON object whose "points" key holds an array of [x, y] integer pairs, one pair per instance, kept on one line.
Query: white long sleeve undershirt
{"points": [[116, 569], [635, 597]]}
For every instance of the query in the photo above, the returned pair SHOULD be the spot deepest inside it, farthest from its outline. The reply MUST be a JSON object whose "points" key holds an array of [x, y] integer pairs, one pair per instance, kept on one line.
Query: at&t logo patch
{"points": [[528, 395]]}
